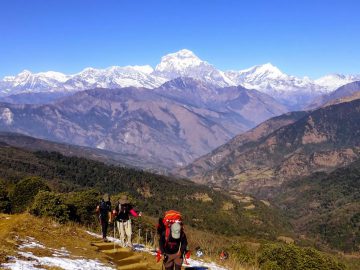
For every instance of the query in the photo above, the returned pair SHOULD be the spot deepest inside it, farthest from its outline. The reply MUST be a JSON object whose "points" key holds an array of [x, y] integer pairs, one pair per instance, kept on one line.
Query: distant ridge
{"points": [[35, 144]]}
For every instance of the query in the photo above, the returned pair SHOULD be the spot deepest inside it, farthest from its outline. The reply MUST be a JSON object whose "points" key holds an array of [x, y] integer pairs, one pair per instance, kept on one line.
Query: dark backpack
{"points": [[104, 208]]}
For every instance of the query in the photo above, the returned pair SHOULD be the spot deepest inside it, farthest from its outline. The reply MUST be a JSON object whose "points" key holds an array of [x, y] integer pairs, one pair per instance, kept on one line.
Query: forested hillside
{"points": [[326, 205], [202, 207]]}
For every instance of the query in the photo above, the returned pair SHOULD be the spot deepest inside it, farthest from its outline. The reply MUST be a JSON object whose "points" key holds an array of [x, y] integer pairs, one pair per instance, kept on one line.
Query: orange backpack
{"points": [[165, 223]]}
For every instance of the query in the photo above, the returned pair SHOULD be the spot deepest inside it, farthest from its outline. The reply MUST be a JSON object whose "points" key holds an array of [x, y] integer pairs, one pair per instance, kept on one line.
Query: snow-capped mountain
{"points": [[185, 63], [290, 90], [114, 77], [27, 81], [293, 91], [334, 81], [268, 78]]}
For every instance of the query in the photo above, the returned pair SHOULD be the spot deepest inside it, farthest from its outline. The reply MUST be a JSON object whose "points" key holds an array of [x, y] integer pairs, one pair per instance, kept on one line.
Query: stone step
{"points": [[123, 258], [116, 254], [135, 266], [103, 245], [129, 260]]}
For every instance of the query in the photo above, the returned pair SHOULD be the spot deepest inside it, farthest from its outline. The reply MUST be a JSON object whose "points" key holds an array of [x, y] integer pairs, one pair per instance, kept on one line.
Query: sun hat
{"points": [[175, 230], [124, 199]]}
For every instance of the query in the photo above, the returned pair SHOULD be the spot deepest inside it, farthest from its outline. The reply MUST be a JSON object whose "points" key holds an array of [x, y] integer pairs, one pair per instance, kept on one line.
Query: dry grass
{"points": [[212, 245], [14, 228]]}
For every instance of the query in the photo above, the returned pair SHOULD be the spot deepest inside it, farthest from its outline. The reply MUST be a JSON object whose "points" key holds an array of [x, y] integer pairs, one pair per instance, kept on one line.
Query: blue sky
{"points": [[304, 37]]}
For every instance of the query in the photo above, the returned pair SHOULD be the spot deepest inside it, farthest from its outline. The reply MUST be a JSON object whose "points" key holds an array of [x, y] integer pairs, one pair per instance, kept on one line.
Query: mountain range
{"points": [[170, 125], [292, 91]]}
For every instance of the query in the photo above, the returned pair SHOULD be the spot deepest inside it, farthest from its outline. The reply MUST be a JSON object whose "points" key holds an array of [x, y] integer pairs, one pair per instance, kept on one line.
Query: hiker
{"points": [[173, 247], [199, 253], [224, 255], [121, 214], [103, 209]]}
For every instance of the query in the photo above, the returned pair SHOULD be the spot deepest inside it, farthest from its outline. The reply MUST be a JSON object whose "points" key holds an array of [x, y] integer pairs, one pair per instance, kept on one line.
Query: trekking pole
{"points": [[139, 235], [146, 237], [114, 235]]}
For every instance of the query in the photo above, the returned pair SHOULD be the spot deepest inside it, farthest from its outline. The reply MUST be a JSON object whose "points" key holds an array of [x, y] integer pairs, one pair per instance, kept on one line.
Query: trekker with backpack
{"points": [[172, 241], [103, 209], [173, 247], [122, 213]]}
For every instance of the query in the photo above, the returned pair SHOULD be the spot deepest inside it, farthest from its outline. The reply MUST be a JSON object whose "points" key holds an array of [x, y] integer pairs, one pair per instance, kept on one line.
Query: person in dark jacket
{"points": [[122, 213], [103, 210], [173, 248]]}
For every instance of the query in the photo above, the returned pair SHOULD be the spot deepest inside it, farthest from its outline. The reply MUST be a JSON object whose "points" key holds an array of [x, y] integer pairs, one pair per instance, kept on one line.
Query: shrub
{"points": [[242, 254], [284, 257], [50, 204], [82, 205], [24, 192], [4, 198]]}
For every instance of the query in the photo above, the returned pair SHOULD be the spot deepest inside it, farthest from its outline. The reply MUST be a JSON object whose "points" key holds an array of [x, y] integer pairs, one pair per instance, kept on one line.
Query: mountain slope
{"points": [[319, 141], [35, 98], [168, 126]]}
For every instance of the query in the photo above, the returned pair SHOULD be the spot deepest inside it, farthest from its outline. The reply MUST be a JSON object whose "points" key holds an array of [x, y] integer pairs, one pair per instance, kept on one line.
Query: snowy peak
{"points": [[178, 62], [115, 77], [334, 81], [257, 73], [28, 75], [185, 63], [26, 81], [268, 70]]}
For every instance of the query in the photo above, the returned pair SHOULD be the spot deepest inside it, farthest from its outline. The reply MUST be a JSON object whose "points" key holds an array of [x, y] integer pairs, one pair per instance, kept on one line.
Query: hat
{"points": [[123, 199], [175, 230]]}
